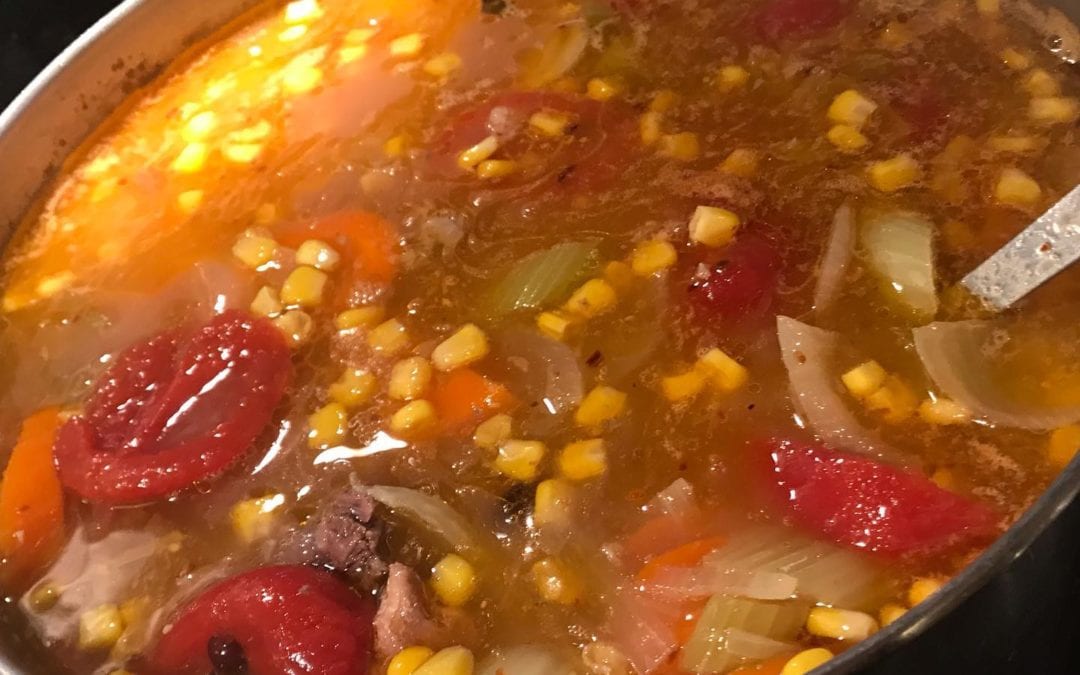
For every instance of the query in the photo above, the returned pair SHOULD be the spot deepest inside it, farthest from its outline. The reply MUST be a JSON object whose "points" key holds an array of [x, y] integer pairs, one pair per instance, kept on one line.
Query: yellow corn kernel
{"points": [[442, 65], [549, 123], [724, 372], [731, 78], [555, 582], [864, 379], [266, 302], [496, 168], [593, 298], [663, 101], [300, 11], [683, 146], [470, 157], [454, 580], [520, 460], [265, 214], [354, 388], [192, 158], [304, 287], [388, 338], [1015, 144], [359, 36], [296, 325], [1053, 110], [1038, 82], [253, 519], [847, 138], [44, 596], [409, 378], [713, 226], [317, 254], [851, 108], [1016, 188], [922, 588], [327, 426], [600, 405], [395, 146], [893, 174], [408, 660], [740, 162], [555, 325], [944, 479], [988, 8], [649, 125], [1014, 59], [199, 127], [600, 89], [943, 411], [241, 153], [583, 460], [189, 201], [493, 432], [407, 45], [895, 399], [1063, 445], [684, 386], [413, 418], [292, 33], [100, 627], [359, 317], [805, 661], [890, 612], [300, 79], [619, 275], [449, 661], [651, 257], [553, 502], [840, 624], [468, 345], [254, 249]]}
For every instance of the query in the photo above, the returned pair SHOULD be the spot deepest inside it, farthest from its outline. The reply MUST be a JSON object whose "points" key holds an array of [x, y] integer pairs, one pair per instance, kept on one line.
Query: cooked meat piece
{"points": [[345, 537], [403, 617]]}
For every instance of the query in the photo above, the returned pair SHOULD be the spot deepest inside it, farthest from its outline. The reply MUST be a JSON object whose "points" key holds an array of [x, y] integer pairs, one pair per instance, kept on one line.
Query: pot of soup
{"points": [[452, 337]]}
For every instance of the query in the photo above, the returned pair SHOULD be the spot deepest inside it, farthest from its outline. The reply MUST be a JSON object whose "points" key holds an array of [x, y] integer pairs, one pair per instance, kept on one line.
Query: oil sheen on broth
{"points": [[609, 336]]}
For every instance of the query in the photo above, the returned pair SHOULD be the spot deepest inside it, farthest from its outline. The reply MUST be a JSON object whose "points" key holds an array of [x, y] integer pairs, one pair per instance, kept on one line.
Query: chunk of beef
{"points": [[404, 617], [345, 537]]}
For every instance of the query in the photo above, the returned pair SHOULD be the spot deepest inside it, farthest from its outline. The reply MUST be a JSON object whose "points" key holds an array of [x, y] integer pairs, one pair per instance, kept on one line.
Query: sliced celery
{"points": [[541, 278]]}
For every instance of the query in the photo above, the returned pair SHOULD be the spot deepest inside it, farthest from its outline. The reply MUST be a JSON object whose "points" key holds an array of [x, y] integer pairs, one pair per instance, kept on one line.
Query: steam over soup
{"points": [[449, 337]]}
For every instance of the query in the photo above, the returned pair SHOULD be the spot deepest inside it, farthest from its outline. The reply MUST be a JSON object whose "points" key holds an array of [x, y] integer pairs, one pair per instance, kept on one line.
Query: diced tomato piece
{"points": [[590, 157], [174, 411], [740, 283], [866, 505], [799, 19], [285, 619]]}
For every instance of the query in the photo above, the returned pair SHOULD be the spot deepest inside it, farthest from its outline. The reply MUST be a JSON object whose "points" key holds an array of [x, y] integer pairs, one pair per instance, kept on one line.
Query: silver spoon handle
{"points": [[1041, 250]]}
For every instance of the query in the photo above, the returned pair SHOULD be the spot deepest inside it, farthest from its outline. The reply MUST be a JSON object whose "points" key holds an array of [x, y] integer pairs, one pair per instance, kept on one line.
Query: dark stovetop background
{"points": [[1026, 621]]}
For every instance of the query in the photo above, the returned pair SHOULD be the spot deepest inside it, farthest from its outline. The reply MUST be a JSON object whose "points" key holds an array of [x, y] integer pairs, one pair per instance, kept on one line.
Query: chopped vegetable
{"points": [[408, 660], [449, 661], [900, 250], [538, 279], [463, 397], [563, 49], [840, 624], [414, 419], [454, 580], [555, 582], [732, 631], [431, 512], [806, 661], [834, 264], [526, 660], [600, 405]]}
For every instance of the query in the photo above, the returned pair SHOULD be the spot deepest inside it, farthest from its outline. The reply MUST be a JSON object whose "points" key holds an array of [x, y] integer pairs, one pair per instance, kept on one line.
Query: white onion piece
{"points": [[834, 263], [676, 499], [703, 581], [955, 356], [563, 49], [525, 660], [641, 628], [431, 512], [550, 369], [755, 647], [808, 355], [900, 249]]}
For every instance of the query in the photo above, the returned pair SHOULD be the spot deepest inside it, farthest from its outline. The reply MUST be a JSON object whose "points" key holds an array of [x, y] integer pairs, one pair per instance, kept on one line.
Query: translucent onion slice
{"points": [[808, 354], [955, 356], [734, 631], [563, 49], [900, 249], [431, 512], [836, 260], [823, 572], [642, 629], [707, 580]]}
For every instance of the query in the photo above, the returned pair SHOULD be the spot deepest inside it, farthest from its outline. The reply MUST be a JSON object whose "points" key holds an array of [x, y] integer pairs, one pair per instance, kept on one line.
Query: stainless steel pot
{"points": [[125, 49]]}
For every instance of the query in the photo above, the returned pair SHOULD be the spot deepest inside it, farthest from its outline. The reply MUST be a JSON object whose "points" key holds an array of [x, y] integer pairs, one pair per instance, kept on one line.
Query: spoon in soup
{"points": [[1040, 251]]}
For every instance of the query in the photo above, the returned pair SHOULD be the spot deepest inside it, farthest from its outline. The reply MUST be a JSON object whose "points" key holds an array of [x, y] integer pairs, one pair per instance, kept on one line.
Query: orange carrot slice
{"points": [[464, 397]]}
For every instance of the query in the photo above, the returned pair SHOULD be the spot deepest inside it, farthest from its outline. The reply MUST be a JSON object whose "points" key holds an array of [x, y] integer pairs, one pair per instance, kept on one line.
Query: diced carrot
{"points": [[771, 666], [31, 503], [365, 238], [686, 555], [464, 397], [660, 534]]}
